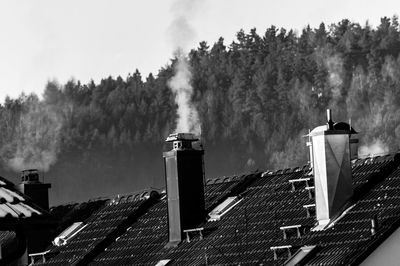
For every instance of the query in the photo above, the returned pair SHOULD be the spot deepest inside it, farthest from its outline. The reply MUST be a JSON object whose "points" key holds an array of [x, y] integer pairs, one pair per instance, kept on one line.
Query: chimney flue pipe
{"points": [[329, 119]]}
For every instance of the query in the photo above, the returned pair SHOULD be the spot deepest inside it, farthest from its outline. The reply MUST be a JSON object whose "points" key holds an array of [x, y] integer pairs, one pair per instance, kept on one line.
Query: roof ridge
{"points": [[305, 167], [358, 161], [134, 196], [375, 159], [231, 178]]}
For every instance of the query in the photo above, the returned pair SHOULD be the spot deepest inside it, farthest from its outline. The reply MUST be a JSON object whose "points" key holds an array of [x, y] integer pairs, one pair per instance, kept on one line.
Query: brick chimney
{"points": [[184, 177], [331, 151]]}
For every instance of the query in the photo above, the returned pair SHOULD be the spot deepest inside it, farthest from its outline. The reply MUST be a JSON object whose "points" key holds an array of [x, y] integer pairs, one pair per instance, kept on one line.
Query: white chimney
{"points": [[331, 167]]}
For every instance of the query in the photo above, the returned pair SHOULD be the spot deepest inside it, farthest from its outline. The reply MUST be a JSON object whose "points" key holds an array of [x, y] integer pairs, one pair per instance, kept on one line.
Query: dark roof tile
{"points": [[129, 233]]}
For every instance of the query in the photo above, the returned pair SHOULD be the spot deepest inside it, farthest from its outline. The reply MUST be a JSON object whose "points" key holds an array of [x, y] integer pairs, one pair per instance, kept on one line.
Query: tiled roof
{"points": [[272, 221], [75, 212], [15, 206], [6, 237]]}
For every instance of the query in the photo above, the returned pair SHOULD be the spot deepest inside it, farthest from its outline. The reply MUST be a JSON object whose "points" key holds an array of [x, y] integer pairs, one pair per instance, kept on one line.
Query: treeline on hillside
{"points": [[256, 98]]}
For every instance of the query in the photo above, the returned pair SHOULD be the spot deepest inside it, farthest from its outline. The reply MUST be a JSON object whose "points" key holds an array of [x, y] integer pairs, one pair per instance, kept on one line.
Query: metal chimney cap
{"points": [[344, 126], [337, 128], [181, 136], [30, 175]]}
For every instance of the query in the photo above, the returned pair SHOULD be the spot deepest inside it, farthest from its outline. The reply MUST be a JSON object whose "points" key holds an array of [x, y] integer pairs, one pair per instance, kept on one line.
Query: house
{"points": [[336, 210], [19, 214]]}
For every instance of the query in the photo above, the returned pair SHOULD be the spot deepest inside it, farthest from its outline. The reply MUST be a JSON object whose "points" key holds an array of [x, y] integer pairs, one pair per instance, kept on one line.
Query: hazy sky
{"points": [[92, 39]]}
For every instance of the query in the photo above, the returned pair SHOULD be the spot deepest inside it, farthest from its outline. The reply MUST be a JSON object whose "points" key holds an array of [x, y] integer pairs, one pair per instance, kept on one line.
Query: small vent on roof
{"points": [[163, 262], [68, 233], [223, 208]]}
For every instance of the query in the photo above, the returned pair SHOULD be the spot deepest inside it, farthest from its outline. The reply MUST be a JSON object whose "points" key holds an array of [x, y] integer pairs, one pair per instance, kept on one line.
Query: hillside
{"points": [[256, 98]]}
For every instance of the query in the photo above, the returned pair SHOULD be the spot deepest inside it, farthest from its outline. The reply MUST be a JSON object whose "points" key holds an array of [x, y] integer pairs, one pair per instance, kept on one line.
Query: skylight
{"points": [[68, 233], [301, 255], [163, 262], [223, 208]]}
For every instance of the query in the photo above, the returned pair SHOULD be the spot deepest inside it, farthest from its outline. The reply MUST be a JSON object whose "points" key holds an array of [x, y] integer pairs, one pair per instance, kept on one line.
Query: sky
{"points": [[42, 40]]}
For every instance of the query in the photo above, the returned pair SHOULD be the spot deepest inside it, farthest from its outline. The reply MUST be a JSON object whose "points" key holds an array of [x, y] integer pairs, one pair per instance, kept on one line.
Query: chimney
{"points": [[184, 177], [331, 167], [37, 238], [32, 187]]}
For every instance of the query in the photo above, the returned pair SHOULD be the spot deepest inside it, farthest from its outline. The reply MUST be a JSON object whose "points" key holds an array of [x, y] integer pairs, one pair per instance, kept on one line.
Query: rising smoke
{"points": [[376, 147], [334, 65], [181, 33], [368, 116], [35, 138], [188, 118]]}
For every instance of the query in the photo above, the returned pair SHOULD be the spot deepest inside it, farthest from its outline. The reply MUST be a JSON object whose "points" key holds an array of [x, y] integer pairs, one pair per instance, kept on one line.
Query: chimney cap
{"points": [[30, 176], [337, 128], [181, 136], [344, 126]]}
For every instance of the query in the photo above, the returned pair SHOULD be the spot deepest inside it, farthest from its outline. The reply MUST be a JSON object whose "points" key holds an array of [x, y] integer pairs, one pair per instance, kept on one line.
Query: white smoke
{"points": [[188, 118], [334, 64], [376, 147], [36, 139], [181, 33]]}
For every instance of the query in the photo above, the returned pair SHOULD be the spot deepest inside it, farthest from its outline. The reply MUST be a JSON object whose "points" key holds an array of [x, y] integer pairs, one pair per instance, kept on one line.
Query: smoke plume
{"points": [[181, 33], [334, 64], [35, 140], [376, 147], [188, 118]]}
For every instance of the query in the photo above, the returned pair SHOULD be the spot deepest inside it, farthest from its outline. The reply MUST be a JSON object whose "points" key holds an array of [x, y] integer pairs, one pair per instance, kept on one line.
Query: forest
{"points": [[256, 97]]}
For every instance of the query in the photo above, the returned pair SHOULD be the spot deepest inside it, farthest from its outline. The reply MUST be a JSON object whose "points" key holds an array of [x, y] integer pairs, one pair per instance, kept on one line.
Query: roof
{"points": [[74, 212], [271, 222], [15, 207]]}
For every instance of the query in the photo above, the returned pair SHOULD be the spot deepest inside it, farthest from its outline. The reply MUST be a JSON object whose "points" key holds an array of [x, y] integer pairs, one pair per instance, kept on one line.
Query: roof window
{"points": [[68, 233], [223, 208], [301, 256], [163, 262]]}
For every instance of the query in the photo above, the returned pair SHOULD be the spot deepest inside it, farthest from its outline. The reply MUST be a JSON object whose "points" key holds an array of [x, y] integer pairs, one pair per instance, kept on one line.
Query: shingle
{"points": [[246, 233]]}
